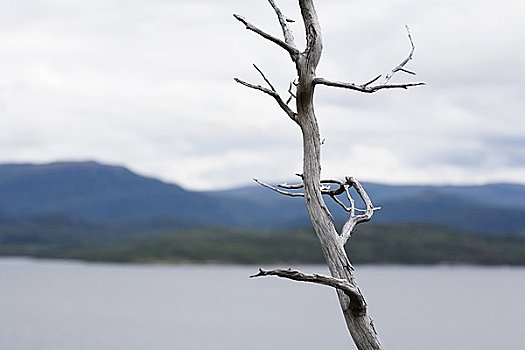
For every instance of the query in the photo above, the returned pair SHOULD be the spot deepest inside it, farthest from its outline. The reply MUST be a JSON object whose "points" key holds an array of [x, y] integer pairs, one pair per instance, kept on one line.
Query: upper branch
{"points": [[357, 302], [291, 49], [368, 87], [288, 36], [364, 87]]}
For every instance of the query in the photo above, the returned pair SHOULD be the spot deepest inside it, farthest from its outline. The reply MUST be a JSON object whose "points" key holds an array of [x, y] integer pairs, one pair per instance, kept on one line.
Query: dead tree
{"points": [[312, 187]]}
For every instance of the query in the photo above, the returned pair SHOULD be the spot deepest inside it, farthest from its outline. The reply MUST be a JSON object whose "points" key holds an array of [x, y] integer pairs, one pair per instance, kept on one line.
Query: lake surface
{"points": [[61, 305]]}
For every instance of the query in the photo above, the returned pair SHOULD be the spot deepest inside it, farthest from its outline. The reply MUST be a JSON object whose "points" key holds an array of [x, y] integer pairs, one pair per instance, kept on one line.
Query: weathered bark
{"points": [[357, 319], [332, 243]]}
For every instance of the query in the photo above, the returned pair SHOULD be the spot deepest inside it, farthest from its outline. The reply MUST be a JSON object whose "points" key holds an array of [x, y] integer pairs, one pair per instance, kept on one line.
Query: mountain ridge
{"points": [[92, 191]]}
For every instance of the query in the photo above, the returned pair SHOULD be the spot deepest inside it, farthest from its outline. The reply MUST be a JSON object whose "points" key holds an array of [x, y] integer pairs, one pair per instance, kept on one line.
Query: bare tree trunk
{"points": [[332, 242]]}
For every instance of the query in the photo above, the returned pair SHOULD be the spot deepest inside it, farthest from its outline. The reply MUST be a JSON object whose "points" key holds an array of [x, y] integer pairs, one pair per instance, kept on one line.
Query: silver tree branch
{"points": [[367, 88], [264, 77], [272, 93], [286, 193], [400, 67], [291, 50], [291, 187], [288, 37], [342, 188], [341, 204], [357, 301], [354, 220]]}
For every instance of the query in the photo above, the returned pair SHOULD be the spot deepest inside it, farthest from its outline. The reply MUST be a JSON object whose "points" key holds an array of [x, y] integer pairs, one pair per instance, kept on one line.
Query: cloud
{"points": [[148, 84]]}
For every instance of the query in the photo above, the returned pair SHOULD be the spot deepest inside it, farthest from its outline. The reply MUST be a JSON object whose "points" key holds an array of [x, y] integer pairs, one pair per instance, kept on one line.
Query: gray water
{"points": [[58, 305]]}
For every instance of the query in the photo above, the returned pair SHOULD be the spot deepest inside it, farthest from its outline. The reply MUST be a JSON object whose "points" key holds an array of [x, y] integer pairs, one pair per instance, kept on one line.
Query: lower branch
{"points": [[357, 301]]}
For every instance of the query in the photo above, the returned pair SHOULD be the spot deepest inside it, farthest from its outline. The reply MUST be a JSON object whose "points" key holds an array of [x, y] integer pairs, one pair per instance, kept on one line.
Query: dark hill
{"points": [[454, 211], [93, 191], [89, 192]]}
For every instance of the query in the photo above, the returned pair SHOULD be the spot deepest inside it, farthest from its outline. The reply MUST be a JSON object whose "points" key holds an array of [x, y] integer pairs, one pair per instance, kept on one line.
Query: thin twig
{"points": [[286, 193], [407, 71], [372, 81], [264, 77], [341, 204], [292, 95]]}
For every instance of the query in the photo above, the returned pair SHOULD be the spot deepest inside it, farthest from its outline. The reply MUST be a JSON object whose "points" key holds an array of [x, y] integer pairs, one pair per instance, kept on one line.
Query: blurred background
{"points": [[124, 139]]}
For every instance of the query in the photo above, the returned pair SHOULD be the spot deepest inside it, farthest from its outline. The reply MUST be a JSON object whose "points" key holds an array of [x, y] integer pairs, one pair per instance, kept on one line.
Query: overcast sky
{"points": [[148, 84]]}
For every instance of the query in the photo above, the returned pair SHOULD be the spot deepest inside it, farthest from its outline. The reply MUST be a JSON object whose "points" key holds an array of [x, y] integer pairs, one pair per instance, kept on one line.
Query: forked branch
{"points": [[283, 21], [340, 188], [270, 91], [364, 87], [354, 220], [401, 66], [368, 87], [357, 301]]}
